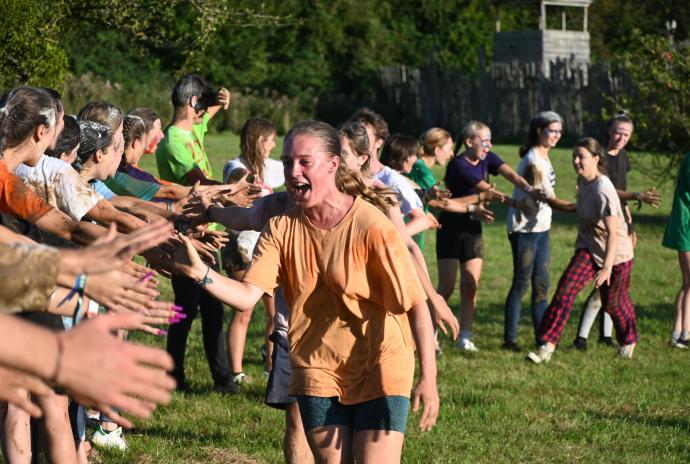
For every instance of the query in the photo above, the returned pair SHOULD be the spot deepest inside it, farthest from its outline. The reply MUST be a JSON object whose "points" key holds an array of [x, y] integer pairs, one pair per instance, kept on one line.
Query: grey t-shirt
{"points": [[595, 201]]}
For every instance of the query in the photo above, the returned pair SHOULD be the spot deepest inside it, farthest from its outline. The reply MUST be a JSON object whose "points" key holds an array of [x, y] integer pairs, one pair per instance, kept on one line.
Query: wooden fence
{"points": [[505, 96]]}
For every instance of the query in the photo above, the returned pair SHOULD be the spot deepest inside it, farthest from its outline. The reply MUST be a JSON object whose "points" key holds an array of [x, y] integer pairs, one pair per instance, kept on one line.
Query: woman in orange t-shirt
{"points": [[357, 307]]}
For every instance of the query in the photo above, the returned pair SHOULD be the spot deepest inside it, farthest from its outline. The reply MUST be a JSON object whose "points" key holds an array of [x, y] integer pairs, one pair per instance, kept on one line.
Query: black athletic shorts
{"points": [[454, 244]]}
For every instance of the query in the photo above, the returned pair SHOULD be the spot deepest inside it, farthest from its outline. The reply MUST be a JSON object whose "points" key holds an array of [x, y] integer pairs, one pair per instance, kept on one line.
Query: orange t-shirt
{"points": [[18, 199], [348, 289]]}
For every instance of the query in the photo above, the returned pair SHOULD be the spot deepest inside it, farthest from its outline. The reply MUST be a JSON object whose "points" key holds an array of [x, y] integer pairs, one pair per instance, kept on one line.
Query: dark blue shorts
{"points": [[385, 413]]}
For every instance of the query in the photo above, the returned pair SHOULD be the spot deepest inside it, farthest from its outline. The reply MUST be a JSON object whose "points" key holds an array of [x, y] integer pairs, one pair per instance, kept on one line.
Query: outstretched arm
{"points": [[240, 295], [440, 312]]}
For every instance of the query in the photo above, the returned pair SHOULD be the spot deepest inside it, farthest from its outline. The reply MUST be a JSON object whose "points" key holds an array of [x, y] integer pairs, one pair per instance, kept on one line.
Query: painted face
{"points": [[445, 152], [353, 161], [480, 144], [619, 135], [408, 163], [309, 172], [585, 164], [153, 137], [267, 144], [550, 135]]}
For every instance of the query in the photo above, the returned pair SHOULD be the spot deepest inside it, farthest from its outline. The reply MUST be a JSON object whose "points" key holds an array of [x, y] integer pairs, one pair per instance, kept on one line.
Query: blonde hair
{"points": [[345, 180], [471, 129], [433, 138]]}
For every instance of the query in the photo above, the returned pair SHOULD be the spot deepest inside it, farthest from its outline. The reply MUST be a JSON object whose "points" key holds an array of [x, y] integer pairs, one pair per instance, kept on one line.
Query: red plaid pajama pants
{"points": [[615, 299]]}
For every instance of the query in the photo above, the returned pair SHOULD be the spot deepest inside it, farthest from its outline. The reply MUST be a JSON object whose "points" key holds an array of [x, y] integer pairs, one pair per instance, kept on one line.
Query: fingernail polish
{"points": [[181, 316], [161, 332], [176, 308]]}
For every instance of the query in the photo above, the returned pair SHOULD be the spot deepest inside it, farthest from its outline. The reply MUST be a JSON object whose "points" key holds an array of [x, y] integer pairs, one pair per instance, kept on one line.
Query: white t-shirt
{"points": [[60, 186], [274, 176], [539, 217], [409, 198]]}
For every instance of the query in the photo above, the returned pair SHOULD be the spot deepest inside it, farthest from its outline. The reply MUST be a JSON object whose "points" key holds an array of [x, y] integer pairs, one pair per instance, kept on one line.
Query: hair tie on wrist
{"points": [[58, 361]]}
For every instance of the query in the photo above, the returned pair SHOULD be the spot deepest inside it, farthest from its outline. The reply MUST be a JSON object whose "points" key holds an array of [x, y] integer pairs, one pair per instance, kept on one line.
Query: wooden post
{"points": [[498, 17], [563, 19], [542, 16], [584, 19]]}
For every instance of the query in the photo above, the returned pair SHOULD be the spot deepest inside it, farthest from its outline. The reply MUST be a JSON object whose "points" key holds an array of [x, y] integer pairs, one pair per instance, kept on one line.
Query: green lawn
{"points": [[495, 407]]}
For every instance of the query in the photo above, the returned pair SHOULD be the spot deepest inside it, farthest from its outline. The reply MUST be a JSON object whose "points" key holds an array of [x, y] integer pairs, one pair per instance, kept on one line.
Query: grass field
{"points": [[495, 407]]}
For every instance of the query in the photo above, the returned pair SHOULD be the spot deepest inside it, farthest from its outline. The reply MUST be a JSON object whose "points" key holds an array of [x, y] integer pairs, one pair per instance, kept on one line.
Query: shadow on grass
{"points": [[653, 421]]}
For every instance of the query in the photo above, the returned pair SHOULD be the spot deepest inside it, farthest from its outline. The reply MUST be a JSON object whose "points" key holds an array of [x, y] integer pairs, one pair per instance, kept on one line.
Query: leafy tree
{"points": [[659, 70], [29, 49]]}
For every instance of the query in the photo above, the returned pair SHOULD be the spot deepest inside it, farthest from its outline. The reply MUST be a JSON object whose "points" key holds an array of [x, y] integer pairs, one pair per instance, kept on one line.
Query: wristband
{"points": [[528, 189], [168, 205], [206, 280], [471, 208], [58, 361]]}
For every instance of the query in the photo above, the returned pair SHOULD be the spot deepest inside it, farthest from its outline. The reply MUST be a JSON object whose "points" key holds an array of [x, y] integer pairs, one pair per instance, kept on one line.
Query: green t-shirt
{"points": [[677, 233], [181, 151], [422, 176], [124, 184]]}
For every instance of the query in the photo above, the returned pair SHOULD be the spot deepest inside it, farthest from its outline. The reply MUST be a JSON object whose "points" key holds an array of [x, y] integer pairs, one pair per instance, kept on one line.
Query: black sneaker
{"points": [[226, 388], [511, 346], [607, 341], [580, 343], [183, 387]]}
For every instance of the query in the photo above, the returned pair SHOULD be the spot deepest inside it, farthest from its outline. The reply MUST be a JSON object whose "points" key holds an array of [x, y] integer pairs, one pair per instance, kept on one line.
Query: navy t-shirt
{"points": [[461, 179]]}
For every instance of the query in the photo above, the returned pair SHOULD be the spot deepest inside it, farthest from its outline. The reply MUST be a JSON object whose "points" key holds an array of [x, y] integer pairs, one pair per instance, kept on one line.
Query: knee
{"points": [[468, 285], [242, 317]]}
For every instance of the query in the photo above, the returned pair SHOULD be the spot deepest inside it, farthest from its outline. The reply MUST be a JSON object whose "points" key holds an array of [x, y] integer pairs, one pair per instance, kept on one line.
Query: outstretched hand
{"points": [[17, 387], [99, 370]]}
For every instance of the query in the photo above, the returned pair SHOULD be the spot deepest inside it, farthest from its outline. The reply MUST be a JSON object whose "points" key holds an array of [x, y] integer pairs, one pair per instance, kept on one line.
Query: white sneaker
{"points": [[678, 343], [242, 378], [626, 351], [543, 353], [112, 439], [467, 345]]}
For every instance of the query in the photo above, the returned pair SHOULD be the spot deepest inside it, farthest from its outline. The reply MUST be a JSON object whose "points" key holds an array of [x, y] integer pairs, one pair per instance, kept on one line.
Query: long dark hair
{"points": [[22, 111], [540, 121]]}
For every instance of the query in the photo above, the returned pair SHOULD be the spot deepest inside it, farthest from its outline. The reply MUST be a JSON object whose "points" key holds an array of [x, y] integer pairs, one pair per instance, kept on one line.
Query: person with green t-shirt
{"points": [[437, 148], [181, 158]]}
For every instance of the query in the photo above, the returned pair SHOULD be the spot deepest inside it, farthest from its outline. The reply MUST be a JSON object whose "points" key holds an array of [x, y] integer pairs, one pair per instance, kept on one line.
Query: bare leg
{"points": [[470, 271], [379, 446], [332, 444], [237, 334], [59, 444], [682, 315], [17, 436], [295, 447], [447, 273]]}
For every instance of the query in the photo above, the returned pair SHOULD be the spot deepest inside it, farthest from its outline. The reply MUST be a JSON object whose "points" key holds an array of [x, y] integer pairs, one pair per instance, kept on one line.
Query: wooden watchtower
{"points": [[545, 44]]}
